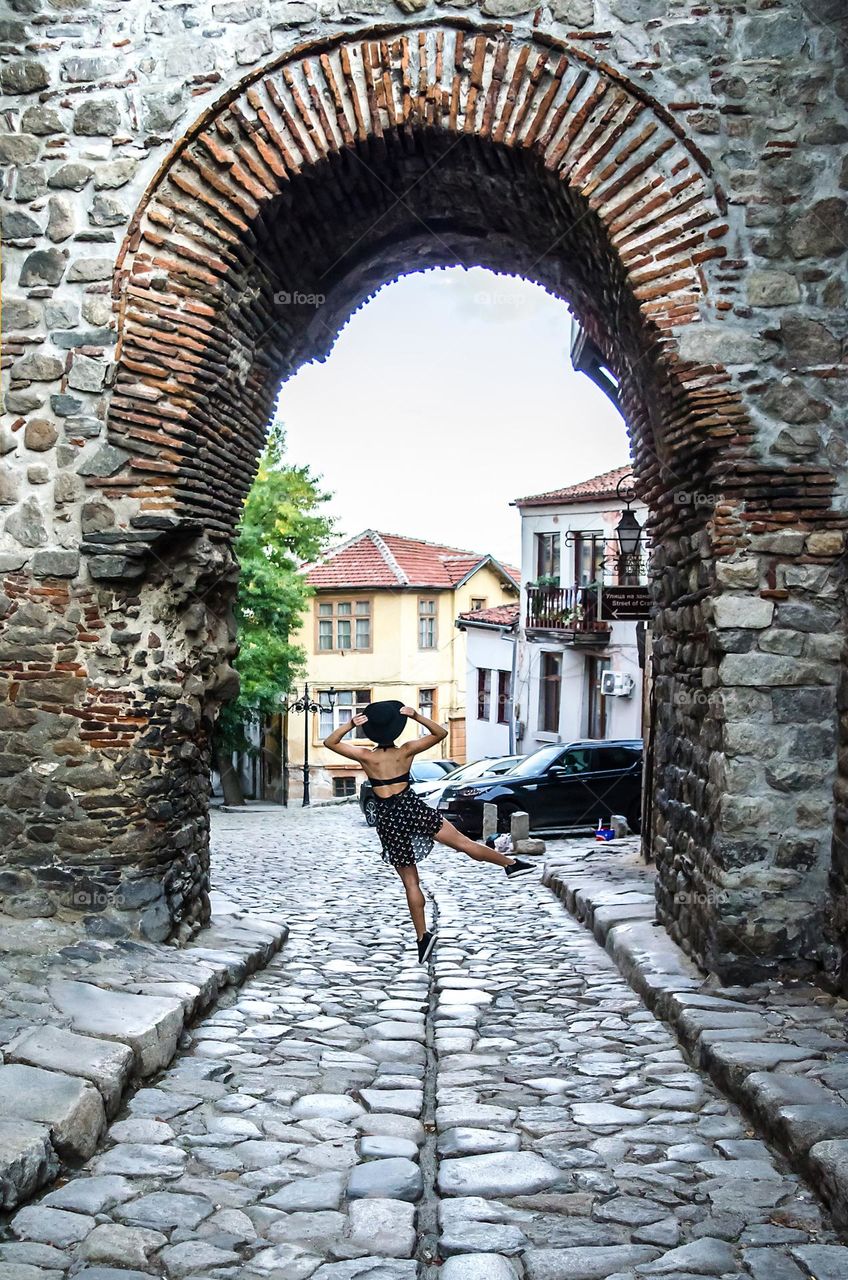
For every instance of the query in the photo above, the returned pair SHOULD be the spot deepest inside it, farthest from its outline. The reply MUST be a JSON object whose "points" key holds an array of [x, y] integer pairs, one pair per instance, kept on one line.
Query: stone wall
{"points": [[201, 195], [106, 745]]}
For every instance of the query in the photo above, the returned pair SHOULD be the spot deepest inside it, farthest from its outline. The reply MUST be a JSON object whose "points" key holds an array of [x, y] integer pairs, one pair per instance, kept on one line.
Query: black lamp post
{"points": [[308, 705], [628, 530]]}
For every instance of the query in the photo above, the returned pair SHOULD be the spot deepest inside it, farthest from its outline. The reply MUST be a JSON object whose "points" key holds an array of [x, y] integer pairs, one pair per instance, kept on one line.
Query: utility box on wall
{"points": [[616, 684]]}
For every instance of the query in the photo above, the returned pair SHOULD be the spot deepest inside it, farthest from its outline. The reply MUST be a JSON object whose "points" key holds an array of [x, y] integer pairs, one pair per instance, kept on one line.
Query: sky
{"points": [[445, 397]]}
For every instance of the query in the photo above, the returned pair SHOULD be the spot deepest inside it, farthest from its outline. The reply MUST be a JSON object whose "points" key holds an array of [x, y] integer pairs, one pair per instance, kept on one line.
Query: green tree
{"points": [[281, 525]]}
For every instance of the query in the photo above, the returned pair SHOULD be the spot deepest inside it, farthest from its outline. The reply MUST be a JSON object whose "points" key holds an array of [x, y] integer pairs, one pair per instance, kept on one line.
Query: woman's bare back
{"points": [[387, 762]]}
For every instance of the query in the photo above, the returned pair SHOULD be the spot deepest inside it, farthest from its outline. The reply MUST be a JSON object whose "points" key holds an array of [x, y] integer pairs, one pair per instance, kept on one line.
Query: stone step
{"points": [[232, 961], [150, 1025], [71, 1108], [111, 1019], [106, 1064], [27, 1160], [738, 1041]]}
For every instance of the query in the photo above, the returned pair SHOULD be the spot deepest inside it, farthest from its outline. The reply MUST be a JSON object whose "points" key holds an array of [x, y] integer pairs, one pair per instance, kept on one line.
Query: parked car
{"points": [[421, 773], [431, 792], [566, 787]]}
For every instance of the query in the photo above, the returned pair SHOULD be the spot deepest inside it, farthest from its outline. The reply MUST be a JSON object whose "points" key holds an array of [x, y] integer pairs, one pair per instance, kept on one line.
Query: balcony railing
{"points": [[574, 609]]}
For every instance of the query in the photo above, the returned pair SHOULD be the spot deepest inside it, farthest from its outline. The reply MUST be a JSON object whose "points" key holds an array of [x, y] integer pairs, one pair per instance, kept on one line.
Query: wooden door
{"points": [[456, 739]]}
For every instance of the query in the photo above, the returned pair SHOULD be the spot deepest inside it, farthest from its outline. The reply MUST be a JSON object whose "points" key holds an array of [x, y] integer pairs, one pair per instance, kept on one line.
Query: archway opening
{"points": [[446, 400]]}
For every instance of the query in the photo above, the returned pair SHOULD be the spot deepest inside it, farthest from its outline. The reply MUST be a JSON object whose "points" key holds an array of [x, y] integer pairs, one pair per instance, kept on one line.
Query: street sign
{"points": [[625, 604]]}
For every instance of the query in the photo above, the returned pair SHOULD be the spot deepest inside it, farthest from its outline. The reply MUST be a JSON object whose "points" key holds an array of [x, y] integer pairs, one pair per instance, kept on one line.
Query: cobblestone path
{"points": [[510, 1113]]}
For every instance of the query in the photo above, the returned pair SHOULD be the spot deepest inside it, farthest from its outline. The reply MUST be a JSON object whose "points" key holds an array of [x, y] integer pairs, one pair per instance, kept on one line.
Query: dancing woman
{"points": [[407, 827]]}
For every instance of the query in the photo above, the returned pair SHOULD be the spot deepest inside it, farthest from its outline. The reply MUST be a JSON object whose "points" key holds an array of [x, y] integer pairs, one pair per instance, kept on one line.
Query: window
{"points": [[589, 552], [427, 771], [596, 714], [503, 697], [615, 758], [426, 707], [362, 623], [344, 786], [484, 687], [477, 769], [538, 761], [426, 624], [547, 554], [478, 602], [549, 686], [325, 626], [344, 625], [349, 703], [578, 760]]}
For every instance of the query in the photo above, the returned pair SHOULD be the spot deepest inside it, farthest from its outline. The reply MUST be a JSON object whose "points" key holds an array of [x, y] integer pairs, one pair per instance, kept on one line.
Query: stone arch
{"points": [[617, 162], [521, 152]]}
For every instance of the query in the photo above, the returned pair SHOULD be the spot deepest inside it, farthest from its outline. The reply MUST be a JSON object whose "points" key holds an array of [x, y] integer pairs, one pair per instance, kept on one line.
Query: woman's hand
{"points": [[358, 720], [408, 711]]}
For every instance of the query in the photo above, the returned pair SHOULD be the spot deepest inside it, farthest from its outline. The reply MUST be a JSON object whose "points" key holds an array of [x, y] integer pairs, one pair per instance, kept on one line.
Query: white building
{"points": [[571, 564], [492, 660]]}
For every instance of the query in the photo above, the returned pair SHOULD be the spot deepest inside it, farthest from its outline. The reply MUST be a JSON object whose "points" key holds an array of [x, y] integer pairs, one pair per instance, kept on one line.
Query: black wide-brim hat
{"points": [[385, 722]]}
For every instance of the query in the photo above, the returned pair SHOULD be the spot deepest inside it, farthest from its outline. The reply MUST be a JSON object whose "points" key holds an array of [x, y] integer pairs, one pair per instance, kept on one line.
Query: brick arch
{"points": [[523, 155], [286, 186]]}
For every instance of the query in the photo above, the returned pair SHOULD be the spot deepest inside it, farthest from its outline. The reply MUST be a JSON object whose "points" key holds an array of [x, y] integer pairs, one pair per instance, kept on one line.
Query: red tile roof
{"points": [[374, 559], [602, 486], [500, 615]]}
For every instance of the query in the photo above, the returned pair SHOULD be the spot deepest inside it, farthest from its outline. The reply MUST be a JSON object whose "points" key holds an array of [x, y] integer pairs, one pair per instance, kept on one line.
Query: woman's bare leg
{"points": [[454, 839], [414, 897]]}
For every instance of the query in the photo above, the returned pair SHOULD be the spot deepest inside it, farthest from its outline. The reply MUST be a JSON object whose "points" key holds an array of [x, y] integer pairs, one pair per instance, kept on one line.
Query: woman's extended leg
{"points": [[449, 835], [414, 897]]}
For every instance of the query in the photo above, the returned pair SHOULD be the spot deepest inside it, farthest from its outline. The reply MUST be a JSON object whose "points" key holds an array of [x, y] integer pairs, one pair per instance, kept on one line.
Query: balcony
{"points": [[570, 613]]}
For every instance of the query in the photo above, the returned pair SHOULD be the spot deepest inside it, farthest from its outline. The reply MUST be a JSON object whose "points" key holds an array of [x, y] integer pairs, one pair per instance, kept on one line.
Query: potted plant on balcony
{"points": [[571, 618], [539, 601]]}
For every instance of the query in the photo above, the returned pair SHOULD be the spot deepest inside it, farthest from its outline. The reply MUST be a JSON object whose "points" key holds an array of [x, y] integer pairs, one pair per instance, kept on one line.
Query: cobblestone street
{"points": [[512, 1112]]}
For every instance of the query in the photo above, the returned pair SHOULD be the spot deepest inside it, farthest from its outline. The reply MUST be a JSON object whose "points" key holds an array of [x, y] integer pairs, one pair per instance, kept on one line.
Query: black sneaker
{"points": [[426, 943], [519, 868]]}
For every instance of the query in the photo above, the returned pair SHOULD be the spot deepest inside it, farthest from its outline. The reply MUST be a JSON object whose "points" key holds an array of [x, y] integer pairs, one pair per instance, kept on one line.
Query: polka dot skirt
{"points": [[406, 827]]}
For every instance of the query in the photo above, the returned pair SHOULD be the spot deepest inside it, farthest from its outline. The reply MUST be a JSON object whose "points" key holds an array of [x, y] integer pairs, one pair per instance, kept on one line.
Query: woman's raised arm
{"points": [[437, 732], [334, 740]]}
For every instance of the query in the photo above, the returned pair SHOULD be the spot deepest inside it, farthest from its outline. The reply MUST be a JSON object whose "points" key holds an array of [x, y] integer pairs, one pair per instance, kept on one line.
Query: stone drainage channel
{"points": [[512, 1112], [427, 1249]]}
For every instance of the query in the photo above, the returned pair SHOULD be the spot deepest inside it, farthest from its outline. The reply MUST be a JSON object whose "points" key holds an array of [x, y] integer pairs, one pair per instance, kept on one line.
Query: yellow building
{"points": [[381, 625]]}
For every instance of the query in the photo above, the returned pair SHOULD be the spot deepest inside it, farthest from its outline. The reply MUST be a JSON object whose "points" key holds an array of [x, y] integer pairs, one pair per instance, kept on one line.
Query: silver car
{"points": [[432, 792]]}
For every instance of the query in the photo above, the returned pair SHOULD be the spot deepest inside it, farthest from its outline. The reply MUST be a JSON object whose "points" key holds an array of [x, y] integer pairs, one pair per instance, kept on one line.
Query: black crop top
{"points": [[387, 782]]}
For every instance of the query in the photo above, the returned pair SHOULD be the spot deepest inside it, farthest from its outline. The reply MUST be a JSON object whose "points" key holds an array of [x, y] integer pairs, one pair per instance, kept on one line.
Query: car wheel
{"points": [[370, 811]]}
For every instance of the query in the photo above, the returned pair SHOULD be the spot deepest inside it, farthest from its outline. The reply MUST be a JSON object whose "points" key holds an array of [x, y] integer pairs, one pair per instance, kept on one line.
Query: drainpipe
{"points": [[512, 693]]}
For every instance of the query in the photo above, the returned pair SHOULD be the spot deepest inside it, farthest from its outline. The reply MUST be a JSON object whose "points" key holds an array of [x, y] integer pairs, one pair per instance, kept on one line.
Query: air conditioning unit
{"points": [[616, 684]]}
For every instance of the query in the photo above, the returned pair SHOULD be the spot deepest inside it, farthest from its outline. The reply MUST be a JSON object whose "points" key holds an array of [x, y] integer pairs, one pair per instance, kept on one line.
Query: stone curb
{"points": [[62, 1079], [271, 806], [727, 1032]]}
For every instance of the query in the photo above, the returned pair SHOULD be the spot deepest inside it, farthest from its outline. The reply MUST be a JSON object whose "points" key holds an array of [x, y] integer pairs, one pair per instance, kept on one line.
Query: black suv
{"points": [[419, 771], [563, 787]]}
